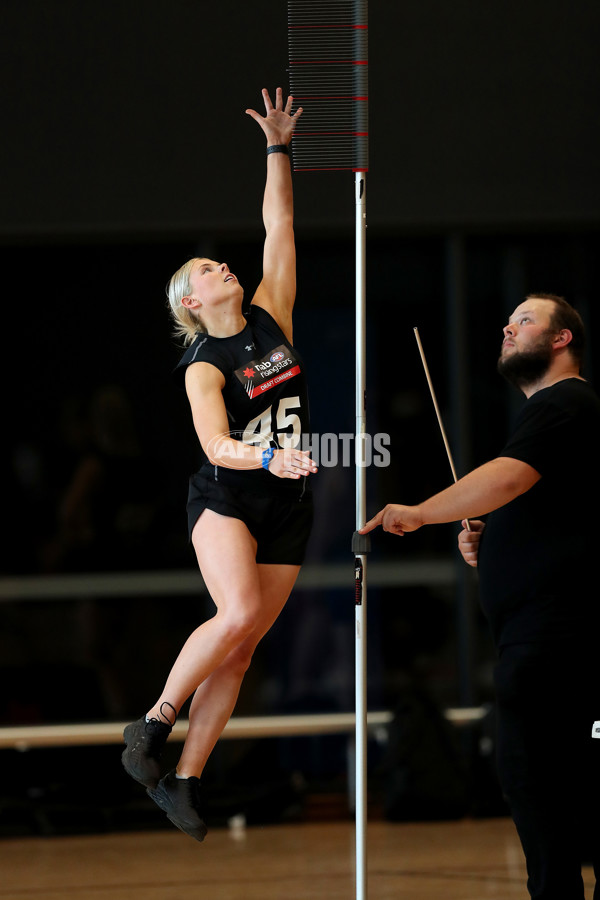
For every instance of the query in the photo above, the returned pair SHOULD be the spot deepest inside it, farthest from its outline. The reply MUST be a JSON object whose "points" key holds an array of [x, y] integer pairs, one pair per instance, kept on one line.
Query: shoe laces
{"points": [[165, 716], [157, 734], [153, 723]]}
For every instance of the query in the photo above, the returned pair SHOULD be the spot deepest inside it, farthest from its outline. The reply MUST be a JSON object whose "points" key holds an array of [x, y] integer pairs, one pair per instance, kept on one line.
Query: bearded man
{"points": [[535, 556]]}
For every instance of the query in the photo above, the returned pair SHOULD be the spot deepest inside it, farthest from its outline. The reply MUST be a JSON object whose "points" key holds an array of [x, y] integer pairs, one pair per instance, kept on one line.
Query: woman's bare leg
{"points": [[226, 554], [216, 697]]}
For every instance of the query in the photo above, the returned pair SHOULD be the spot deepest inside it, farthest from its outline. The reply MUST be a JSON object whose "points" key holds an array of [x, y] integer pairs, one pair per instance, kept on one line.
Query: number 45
{"points": [[260, 429]]}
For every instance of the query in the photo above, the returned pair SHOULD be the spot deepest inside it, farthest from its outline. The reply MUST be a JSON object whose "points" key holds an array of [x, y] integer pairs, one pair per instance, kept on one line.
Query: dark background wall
{"points": [[123, 118]]}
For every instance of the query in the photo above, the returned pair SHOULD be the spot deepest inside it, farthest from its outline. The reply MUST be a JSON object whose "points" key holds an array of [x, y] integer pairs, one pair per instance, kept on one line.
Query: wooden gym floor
{"points": [[466, 860]]}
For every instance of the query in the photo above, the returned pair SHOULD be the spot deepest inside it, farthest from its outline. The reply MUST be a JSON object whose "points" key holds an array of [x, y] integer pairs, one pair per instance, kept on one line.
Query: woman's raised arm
{"points": [[277, 290]]}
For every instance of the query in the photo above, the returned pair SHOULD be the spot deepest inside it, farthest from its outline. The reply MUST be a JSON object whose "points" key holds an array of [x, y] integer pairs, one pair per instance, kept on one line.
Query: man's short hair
{"points": [[566, 316]]}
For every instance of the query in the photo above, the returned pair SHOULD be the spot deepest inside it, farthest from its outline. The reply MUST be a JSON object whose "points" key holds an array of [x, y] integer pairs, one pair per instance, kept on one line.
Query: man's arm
{"points": [[484, 489]]}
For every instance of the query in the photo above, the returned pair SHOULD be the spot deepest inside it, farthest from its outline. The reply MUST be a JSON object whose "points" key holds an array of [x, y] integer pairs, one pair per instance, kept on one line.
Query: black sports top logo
{"points": [[260, 375]]}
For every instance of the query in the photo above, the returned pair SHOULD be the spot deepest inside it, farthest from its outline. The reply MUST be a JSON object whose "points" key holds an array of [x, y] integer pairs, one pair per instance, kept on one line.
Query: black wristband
{"points": [[278, 148]]}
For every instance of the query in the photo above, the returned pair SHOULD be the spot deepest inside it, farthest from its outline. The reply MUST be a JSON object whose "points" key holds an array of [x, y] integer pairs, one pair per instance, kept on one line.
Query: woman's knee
{"points": [[238, 625]]}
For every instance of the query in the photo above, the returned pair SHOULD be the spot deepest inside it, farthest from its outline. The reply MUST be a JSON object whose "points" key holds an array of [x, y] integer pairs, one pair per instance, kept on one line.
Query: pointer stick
{"points": [[437, 410]]}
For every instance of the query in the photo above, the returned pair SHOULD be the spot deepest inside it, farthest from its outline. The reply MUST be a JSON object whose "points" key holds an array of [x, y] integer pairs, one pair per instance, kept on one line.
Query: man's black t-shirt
{"points": [[538, 554], [265, 395]]}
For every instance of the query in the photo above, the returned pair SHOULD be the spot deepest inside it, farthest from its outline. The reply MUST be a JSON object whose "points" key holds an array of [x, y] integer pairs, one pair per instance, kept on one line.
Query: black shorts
{"points": [[280, 525]]}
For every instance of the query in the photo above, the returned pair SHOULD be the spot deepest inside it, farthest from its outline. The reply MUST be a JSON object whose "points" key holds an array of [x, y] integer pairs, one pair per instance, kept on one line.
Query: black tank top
{"points": [[265, 395]]}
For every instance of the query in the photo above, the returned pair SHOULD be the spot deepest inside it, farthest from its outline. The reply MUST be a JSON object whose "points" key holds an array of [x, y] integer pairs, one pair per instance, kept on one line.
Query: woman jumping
{"points": [[249, 505]]}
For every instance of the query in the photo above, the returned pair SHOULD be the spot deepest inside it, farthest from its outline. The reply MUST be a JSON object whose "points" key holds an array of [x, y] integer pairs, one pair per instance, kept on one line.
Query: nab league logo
{"points": [[261, 375]]}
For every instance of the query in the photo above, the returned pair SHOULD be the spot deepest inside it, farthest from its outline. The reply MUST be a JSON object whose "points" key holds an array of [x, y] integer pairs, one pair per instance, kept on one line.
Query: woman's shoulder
{"points": [[202, 349]]}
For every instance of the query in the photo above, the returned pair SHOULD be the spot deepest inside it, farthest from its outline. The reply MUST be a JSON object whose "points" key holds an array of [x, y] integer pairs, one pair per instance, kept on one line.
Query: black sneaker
{"points": [[179, 798], [145, 742]]}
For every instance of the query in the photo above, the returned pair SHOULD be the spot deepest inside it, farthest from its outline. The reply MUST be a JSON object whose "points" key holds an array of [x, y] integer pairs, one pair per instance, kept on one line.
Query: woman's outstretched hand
{"points": [[278, 124]]}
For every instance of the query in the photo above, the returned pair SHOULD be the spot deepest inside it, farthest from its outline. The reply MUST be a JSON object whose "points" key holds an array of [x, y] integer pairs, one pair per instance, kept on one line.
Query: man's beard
{"points": [[526, 367]]}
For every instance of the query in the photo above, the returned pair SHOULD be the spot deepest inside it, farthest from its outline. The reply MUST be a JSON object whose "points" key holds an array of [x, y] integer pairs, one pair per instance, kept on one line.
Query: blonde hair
{"points": [[186, 323]]}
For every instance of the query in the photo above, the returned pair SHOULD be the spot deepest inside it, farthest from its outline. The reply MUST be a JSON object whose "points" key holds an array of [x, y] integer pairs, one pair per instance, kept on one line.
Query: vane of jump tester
{"points": [[328, 78]]}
